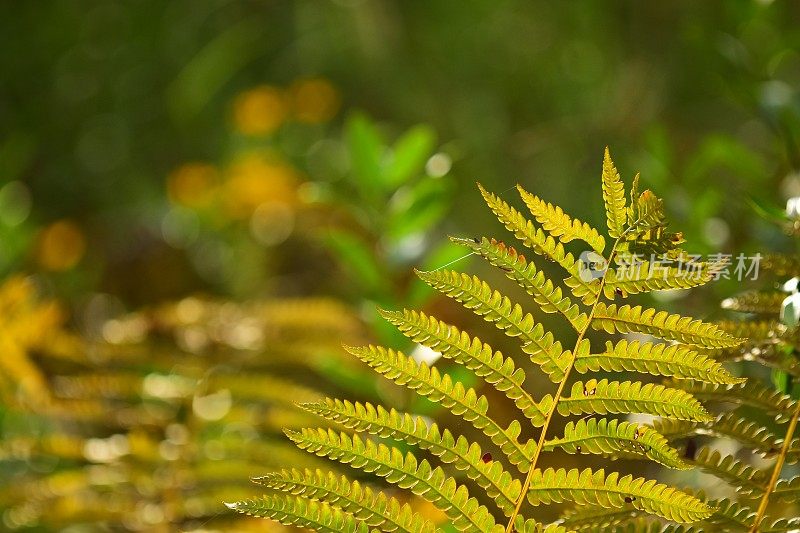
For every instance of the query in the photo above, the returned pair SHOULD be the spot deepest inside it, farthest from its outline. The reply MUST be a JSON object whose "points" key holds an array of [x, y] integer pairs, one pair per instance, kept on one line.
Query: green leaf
{"points": [[409, 154], [601, 397], [358, 260], [675, 360], [611, 437], [595, 488], [403, 427], [297, 511], [614, 197], [373, 508], [366, 152]]}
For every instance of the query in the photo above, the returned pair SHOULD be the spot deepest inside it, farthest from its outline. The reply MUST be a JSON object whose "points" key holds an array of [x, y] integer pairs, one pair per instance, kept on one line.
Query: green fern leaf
{"points": [[470, 352], [614, 197], [545, 245], [549, 297], [476, 295], [561, 225], [610, 437], [747, 480], [644, 276], [297, 511], [464, 403], [587, 517], [601, 397], [403, 470], [595, 488], [674, 360], [727, 425], [375, 509], [765, 303], [403, 427], [627, 319], [750, 393]]}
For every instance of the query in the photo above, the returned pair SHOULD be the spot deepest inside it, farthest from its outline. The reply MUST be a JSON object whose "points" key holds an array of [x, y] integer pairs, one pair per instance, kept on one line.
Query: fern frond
{"points": [[765, 303], [603, 436], [753, 329], [478, 356], [559, 224], [750, 393], [374, 508], [627, 319], [747, 480], [543, 244], [614, 197], [586, 517], [595, 488], [402, 470], [297, 511], [674, 360], [601, 397], [645, 276], [464, 403], [754, 436], [464, 455], [548, 296], [478, 296]]}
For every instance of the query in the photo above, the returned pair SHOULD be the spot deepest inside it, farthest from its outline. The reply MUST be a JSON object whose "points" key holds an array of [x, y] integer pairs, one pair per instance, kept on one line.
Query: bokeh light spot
{"points": [[61, 245]]}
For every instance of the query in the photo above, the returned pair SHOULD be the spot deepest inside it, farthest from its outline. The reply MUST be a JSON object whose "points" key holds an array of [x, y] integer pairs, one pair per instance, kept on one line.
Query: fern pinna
{"points": [[330, 502]]}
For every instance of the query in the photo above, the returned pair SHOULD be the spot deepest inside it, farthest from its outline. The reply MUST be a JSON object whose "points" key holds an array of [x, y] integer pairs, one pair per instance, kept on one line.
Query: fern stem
{"points": [[776, 472], [560, 390]]}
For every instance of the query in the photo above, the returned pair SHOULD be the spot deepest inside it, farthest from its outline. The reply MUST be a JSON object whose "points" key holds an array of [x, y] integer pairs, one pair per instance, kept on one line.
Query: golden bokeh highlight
{"points": [[255, 179], [315, 100], [192, 184], [60, 246], [259, 111]]}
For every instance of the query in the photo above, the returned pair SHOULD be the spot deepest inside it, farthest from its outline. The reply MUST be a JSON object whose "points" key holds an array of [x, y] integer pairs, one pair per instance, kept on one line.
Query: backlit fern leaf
{"points": [[470, 352], [297, 511], [462, 402], [595, 488], [538, 240], [373, 508], [559, 224], [671, 327], [605, 396], [612, 437], [613, 197], [476, 295], [402, 427], [675, 360], [548, 296], [403, 470], [644, 276]]}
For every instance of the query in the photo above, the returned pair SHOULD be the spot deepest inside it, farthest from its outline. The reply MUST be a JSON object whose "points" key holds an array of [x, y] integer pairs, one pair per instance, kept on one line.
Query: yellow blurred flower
{"points": [[191, 184], [255, 179], [259, 111], [315, 100], [60, 246]]}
